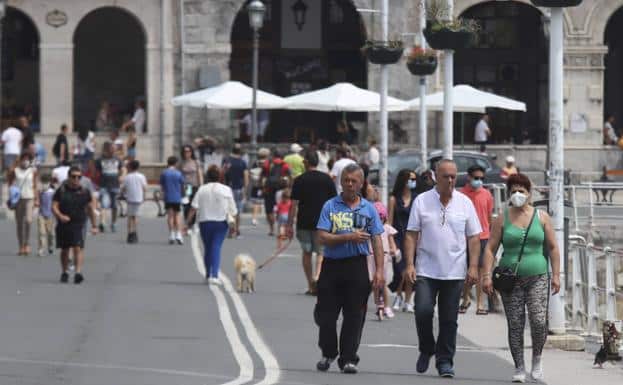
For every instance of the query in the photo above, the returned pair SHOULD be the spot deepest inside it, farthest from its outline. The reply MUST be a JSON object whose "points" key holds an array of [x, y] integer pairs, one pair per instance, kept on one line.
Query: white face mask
{"points": [[518, 199]]}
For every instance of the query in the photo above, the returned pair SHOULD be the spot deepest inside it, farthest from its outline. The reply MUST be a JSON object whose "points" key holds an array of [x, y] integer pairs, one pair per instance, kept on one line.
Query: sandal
{"points": [[463, 308], [482, 312]]}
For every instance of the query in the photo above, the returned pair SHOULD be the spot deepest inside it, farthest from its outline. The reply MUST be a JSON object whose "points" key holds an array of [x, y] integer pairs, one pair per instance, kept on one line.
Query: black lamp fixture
{"points": [[300, 10]]}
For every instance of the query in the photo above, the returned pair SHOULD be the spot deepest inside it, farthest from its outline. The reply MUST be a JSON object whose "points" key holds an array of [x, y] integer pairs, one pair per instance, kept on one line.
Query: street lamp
{"points": [[256, 11], [2, 14]]}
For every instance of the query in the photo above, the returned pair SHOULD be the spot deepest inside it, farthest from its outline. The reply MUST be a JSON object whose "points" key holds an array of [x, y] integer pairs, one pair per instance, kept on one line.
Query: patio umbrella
{"points": [[469, 99], [231, 95], [343, 97]]}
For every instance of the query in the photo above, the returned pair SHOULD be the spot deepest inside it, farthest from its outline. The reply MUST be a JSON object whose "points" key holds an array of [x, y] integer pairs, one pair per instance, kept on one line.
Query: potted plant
{"points": [[556, 3], [383, 52], [422, 62], [443, 32]]}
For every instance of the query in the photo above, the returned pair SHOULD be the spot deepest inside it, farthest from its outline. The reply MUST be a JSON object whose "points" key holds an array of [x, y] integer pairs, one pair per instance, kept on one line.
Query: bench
{"points": [[612, 176]]}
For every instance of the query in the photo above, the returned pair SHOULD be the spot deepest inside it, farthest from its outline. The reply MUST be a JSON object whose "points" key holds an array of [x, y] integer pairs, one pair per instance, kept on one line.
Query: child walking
{"points": [[45, 221], [134, 187], [282, 209], [381, 297]]}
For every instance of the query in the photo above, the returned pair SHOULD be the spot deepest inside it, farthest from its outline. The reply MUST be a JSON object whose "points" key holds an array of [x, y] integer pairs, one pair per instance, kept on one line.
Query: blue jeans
{"points": [[213, 234], [427, 291]]}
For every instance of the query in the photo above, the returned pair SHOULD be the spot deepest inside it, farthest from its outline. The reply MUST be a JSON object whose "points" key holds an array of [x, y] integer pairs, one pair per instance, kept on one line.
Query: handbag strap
{"points": [[525, 237], [21, 185]]}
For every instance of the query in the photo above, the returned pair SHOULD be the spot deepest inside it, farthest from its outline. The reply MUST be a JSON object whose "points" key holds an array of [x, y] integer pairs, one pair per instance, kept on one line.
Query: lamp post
{"points": [[256, 11], [448, 97], [383, 107], [423, 113]]}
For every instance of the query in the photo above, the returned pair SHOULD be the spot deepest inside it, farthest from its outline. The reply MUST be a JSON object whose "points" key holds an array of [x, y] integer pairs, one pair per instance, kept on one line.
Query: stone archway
{"points": [[295, 59], [613, 60], [109, 65], [510, 58], [20, 68]]}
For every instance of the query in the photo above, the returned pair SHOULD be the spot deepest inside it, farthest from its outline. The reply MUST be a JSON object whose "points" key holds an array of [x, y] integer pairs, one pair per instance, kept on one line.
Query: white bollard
{"points": [[578, 306], [611, 300], [592, 327]]}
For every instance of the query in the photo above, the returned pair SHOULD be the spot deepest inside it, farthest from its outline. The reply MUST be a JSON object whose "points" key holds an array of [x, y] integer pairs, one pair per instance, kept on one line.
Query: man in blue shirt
{"points": [[236, 177], [172, 185], [346, 226]]}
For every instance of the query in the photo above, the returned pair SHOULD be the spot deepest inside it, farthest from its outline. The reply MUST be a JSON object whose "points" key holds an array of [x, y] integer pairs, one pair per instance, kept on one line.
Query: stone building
{"points": [[62, 58]]}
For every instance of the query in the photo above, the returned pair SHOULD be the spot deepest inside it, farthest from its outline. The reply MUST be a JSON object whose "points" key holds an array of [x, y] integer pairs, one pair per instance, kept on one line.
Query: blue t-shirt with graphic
{"points": [[337, 217], [172, 184]]}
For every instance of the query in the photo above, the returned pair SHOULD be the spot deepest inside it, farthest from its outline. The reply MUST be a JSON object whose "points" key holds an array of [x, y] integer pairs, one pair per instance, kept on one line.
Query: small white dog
{"points": [[244, 265]]}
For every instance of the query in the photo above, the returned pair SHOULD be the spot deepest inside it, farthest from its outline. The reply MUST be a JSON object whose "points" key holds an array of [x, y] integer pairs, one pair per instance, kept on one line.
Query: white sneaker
{"points": [[519, 376], [408, 308], [214, 281], [388, 312], [254, 222], [42, 252], [397, 302], [537, 369]]}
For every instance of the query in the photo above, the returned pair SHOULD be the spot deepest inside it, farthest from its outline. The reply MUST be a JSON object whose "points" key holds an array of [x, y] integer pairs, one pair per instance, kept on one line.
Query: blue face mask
{"points": [[476, 184], [411, 184]]}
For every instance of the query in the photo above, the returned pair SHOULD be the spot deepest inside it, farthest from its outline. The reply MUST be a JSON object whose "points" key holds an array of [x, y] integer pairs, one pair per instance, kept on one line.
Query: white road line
{"points": [[114, 367], [240, 351], [271, 366]]}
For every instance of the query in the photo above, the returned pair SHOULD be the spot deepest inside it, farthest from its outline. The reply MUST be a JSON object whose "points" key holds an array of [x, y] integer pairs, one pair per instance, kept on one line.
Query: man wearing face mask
{"points": [[483, 203]]}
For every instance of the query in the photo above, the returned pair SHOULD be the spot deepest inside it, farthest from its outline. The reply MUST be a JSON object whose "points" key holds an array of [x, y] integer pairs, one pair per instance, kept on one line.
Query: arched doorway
{"points": [[20, 68], [109, 66], [300, 54], [510, 58], [613, 78]]}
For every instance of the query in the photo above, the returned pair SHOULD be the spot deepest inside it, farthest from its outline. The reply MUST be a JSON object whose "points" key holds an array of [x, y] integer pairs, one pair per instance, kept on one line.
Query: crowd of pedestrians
{"points": [[428, 247]]}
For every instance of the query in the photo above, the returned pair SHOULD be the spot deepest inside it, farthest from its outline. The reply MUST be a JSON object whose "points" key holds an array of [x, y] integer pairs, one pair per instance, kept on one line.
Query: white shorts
{"points": [[133, 209]]}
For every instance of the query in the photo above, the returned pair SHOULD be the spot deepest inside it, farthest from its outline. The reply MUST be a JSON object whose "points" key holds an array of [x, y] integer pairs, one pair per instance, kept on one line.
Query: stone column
{"points": [[152, 70], [56, 82]]}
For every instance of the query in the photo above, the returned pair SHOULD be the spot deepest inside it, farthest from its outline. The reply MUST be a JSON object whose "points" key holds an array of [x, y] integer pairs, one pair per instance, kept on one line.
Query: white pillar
{"points": [[423, 112], [167, 118], [154, 96], [556, 156], [448, 99], [56, 86], [383, 114]]}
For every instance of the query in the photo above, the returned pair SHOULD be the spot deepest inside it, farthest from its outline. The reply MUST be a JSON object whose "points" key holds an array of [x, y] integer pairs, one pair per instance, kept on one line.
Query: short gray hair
{"points": [[444, 161], [351, 168]]}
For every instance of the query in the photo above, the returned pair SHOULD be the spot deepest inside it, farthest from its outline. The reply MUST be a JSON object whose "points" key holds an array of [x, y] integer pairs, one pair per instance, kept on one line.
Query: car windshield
{"points": [[397, 162]]}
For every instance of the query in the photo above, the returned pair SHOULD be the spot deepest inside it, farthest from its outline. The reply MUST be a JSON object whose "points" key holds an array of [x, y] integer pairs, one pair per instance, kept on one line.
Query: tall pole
{"points": [[383, 125], [256, 47], [556, 156], [448, 97], [423, 112]]}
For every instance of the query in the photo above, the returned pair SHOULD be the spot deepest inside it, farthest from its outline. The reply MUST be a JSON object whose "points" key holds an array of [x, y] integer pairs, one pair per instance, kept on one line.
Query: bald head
{"points": [[446, 176]]}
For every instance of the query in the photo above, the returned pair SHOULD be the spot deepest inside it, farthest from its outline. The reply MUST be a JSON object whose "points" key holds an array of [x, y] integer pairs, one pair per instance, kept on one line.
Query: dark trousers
{"points": [[343, 286], [427, 292]]}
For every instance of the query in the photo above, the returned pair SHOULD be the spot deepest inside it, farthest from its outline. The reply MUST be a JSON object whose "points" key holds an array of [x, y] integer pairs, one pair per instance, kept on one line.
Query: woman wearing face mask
{"points": [[532, 288], [399, 207], [24, 176]]}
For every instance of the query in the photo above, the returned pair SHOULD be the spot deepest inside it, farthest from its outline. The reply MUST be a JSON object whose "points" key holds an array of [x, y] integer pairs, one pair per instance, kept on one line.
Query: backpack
{"points": [[275, 177]]}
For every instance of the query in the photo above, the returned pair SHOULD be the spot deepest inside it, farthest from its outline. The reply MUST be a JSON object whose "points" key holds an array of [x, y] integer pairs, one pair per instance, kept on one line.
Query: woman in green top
{"points": [[531, 289]]}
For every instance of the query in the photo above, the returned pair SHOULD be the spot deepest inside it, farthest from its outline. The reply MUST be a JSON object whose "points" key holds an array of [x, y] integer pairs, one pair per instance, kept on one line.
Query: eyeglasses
{"points": [[75, 176]]}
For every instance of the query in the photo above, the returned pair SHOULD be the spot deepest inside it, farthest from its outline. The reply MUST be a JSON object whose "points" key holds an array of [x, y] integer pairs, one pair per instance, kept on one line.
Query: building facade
{"points": [[63, 58]]}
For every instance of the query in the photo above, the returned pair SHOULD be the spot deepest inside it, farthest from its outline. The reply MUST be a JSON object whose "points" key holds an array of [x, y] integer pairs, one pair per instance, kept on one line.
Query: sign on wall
{"points": [[56, 18], [301, 22]]}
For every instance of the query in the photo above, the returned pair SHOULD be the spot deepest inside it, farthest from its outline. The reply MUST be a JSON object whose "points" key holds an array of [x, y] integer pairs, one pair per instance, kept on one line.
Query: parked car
{"points": [[412, 159]]}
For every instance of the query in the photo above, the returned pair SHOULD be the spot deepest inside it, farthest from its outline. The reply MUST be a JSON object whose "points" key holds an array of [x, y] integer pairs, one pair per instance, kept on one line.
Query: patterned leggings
{"points": [[530, 292]]}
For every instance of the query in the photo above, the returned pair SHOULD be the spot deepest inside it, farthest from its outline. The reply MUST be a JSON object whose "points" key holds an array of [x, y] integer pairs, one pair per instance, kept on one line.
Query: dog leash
{"points": [[275, 254]]}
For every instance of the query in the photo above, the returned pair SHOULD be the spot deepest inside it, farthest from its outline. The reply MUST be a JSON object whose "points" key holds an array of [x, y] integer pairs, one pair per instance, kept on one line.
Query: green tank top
{"points": [[533, 262]]}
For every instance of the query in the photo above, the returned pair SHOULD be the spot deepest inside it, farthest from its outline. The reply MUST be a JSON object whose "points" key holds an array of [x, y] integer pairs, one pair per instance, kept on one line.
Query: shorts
{"points": [[269, 202], [108, 197], [238, 199], [481, 257], [133, 208], [70, 235], [177, 207], [132, 152], [257, 195], [309, 241], [9, 161], [282, 219]]}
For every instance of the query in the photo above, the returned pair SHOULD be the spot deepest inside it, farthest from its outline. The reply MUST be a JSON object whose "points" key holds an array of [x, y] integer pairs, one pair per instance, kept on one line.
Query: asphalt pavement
{"points": [[145, 316]]}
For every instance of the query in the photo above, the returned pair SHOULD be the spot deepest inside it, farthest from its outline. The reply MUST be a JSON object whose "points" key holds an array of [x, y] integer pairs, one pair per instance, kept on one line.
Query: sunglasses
{"points": [[415, 179], [478, 178]]}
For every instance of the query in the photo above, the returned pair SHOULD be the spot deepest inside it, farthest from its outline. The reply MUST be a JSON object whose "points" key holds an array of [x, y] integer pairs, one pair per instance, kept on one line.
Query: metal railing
{"points": [[595, 291]]}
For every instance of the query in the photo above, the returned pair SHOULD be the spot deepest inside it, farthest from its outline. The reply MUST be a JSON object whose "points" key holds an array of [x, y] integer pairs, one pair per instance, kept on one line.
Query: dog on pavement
{"points": [[244, 265]]}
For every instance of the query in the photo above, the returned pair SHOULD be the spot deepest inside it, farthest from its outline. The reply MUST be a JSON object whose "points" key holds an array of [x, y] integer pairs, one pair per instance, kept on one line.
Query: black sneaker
{"points": [[422, 362], [445, 370], [324, 364], [64, 278], [134, 238], [101, 228], [78, 278], [350, 368], [50, 251]]}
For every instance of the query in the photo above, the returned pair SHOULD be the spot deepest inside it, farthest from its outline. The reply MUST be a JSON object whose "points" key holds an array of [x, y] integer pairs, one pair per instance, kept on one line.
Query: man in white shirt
{"points": [[133, 187], [610, 136], [138, 119], [373, 156], [440, 221], [336, 172], [482, 132], [12, 141], [60, 173]]}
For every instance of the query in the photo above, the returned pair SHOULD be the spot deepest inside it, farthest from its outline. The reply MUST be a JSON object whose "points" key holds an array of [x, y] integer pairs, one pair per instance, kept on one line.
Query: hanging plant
{"points": [[422, 62], [383, 52], [442, 32], [556, 3]]}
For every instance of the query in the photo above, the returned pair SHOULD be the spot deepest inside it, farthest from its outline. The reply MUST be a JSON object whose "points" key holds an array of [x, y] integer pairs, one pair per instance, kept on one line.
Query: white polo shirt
{"points": [[480, 133], [442, 248], [213, 201]]}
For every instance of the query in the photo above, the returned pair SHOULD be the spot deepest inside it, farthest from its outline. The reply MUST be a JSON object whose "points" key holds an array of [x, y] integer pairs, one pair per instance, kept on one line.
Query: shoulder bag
{"points": [[15, 191], [504, 278]]}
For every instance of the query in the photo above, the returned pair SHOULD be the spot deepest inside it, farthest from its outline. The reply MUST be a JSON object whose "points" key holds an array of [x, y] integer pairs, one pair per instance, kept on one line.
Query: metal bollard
{"points": [[578, 306], [611, 301], [592, 327]]}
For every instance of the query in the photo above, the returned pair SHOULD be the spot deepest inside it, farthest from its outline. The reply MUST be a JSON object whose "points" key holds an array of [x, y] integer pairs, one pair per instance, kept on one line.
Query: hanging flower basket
{"points": [[556, 3], [384, 52], [443, 37], [422, 62]]}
